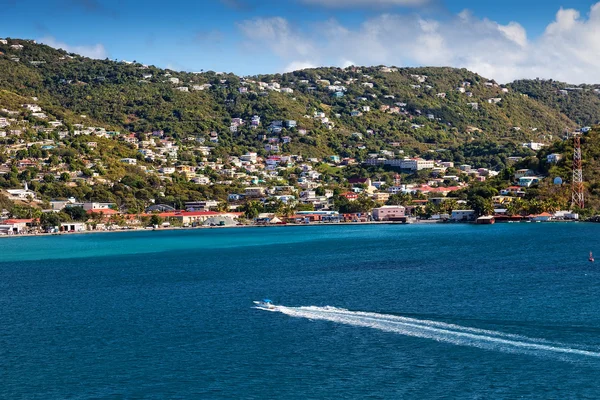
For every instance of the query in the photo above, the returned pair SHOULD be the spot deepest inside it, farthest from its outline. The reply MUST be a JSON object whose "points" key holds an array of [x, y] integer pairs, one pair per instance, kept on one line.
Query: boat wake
{"points": [[440, 331]]}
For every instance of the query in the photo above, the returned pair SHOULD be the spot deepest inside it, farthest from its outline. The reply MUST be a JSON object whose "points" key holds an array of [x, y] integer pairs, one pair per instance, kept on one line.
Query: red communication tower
{"points": [[577, 198]]}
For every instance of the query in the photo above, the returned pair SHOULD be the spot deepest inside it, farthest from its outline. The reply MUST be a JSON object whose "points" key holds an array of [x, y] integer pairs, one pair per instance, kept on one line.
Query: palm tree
{"points": [[288, 211], [449, 205], [222, 207]]}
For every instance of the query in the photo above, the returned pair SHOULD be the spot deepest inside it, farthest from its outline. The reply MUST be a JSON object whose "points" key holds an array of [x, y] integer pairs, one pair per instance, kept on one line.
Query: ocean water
{"points": [[379, 312]]}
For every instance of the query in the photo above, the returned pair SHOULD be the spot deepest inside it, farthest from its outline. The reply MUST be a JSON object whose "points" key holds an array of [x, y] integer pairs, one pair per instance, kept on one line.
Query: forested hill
{"points": [[581, 103], [136, 135], [363, 109]]}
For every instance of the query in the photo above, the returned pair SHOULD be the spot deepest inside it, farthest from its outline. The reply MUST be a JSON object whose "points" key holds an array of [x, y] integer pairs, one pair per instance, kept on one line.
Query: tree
{"points": [[50, 220], [222, 206], [252, 209], [305, 207], [399, 199], [156, 219], [449, 205], [76, 213], [481, 206], [24, 212]]}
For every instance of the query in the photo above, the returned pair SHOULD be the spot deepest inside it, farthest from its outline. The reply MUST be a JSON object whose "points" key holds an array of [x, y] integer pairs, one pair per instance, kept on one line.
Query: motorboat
{"points": [[265, 304]]}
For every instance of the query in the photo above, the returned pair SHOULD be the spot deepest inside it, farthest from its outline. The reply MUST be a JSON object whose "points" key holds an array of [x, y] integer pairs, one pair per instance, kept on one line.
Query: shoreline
{"points": [[173, 228]]}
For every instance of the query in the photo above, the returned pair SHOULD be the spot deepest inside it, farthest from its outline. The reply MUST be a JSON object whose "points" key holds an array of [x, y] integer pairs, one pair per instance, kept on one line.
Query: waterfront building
{"points": [[389, 213]]}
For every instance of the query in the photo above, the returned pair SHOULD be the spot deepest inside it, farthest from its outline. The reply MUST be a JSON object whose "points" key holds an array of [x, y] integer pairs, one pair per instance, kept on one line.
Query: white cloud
{"points": [[568, 49], [514, 32], [367, 3], [277, 34], [92, 51], [298, 65]]}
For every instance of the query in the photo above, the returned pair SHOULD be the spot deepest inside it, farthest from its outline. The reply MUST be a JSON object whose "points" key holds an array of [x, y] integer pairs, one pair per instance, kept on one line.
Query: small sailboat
{"points": [[591, 257]]}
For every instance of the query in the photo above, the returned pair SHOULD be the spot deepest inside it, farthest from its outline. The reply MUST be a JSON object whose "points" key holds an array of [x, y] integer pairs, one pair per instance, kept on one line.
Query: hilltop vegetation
{"points": [[581, 103], [142, 99]]}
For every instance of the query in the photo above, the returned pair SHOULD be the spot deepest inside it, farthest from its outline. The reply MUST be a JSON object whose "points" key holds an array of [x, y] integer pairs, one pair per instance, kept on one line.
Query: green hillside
{"points": [[117, 94], [356, 114], [581, 103]]}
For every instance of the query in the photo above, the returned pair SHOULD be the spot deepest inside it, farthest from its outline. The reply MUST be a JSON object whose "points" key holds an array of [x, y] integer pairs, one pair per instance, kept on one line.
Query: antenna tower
{"points": [[577, 190]]}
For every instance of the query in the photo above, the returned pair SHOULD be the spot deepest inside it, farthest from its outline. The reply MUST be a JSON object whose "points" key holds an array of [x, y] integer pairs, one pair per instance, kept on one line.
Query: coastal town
{"points": [[66, 172], [270, 189]]}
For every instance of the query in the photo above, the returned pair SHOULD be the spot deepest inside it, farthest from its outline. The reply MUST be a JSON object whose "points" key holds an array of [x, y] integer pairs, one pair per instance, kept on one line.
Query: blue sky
{"points": [[504, 40]]}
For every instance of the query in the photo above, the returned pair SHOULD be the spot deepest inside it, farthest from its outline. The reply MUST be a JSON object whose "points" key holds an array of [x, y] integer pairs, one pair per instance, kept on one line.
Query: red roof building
{"points": [[350, 195]]}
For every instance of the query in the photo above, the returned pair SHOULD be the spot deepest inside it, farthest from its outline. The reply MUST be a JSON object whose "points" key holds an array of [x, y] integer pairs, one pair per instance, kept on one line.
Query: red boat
{"points": [[591, 257]]}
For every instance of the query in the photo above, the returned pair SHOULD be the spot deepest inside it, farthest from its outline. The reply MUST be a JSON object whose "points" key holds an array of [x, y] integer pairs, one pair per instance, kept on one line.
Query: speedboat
{"points": [[265, 304]]}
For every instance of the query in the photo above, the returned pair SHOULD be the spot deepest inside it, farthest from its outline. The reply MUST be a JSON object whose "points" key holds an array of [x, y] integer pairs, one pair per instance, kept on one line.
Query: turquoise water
{"points": [[442, 311]]}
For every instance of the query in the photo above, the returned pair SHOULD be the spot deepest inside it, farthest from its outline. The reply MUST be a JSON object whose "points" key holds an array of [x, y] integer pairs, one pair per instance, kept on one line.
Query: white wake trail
{"points": [[438, 331]]}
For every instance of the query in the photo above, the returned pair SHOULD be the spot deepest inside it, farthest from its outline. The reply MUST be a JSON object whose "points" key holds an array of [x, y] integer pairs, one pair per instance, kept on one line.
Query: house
{"points": [[416, 164], [513, 191], [21, 194], [203, 205], [389, 213], [523, 172], [527, 181], [543, 217], [351, 196], [254, 191], [32, 107], [98, 206], [167, 170], [380, 197], [15, 226], [486, 220], [73, 227], [533, 145], [130, 161], [200, 180], [553, 158], [193, 217], [462, 215]]}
